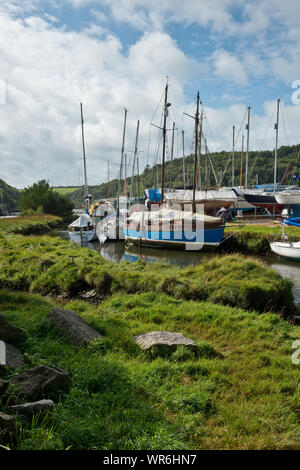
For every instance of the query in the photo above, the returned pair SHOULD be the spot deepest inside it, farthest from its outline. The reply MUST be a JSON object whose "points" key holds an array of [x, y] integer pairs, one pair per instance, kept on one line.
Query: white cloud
{"points": [[48, 70], [229, 67]]}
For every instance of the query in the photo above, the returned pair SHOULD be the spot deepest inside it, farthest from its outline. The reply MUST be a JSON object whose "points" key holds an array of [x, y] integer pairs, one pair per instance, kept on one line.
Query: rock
{"points": [[36, 383], [163, 339], [10, 356], [30, 409], [3, 386], [8, 427], [2, 353], [9, 333], [72, 326]]}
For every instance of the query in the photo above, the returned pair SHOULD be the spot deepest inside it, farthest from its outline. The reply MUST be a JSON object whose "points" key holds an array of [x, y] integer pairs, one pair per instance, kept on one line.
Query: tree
{"points": [[41, 196]]}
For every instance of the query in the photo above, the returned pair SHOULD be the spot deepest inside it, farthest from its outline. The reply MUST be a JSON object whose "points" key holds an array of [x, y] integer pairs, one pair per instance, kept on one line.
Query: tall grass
{"points": [[240, 391]]}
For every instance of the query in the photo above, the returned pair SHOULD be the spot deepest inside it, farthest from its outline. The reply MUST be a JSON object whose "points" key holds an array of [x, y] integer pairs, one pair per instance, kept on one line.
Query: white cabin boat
{"points": [[83, 229]]}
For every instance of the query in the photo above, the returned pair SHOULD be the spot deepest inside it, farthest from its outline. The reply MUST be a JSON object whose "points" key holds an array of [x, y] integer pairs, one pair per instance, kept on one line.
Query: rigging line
{"points": [[238, 134], [284, 128], [158, 106], [148, 153], [268, 127], [283, 109]]}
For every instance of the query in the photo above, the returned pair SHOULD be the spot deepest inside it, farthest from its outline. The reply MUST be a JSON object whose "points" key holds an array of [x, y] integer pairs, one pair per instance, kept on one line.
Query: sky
{"points": [[117, 54]]}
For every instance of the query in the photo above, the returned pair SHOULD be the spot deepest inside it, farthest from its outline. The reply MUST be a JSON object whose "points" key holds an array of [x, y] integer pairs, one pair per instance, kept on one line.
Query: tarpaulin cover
{"points": [[295, 221]]}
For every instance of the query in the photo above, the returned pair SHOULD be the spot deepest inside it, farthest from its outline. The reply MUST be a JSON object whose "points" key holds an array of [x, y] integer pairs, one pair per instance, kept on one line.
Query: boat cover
{"points": [[186, 195], [295, 221], [172, 214], [82, 221]]}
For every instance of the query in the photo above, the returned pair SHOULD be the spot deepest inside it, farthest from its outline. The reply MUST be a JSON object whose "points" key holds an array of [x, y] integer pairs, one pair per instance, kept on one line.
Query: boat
{"points": [[286, 248], [82, 229], [290, 200], [263, 200], [174, 228]]}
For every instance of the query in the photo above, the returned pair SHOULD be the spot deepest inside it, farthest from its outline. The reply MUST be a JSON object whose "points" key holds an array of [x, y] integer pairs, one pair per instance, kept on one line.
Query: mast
{"points": [[196, 151], [86, 189], [247, 151], [199, 154], [134, 158], [166, 105], [108, 181], [233, 131], [122, 152], [183, 162], [242, 158], [276, 146], [172, 154]]}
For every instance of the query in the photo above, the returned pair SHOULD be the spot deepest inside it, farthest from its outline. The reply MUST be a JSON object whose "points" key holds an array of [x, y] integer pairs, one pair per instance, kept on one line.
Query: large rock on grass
{"points": [[10, 356], [8, 428], [9, 333], [35, 384], [72, 326], [34, 408], [3, 386], [163, 340]]}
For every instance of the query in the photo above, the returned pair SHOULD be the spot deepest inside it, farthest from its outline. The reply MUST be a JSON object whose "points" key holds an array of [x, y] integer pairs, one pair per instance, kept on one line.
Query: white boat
{"points": [[83, 229], [285, 247]]}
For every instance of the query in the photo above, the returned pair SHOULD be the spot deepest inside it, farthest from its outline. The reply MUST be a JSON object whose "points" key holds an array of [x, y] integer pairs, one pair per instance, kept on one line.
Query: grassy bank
{"points": [[240, 392], [254, 239], [53, 266]]}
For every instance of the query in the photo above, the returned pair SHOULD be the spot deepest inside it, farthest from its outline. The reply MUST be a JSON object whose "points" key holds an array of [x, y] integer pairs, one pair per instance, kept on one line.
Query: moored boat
{"points": [[82, 229], [286, 248], [174, 229]]}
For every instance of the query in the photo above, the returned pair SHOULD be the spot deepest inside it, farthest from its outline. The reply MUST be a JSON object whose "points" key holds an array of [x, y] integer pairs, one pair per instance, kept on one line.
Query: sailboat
{"points": [[267, 199], [173, 228], [286, 248], [83, 229]]}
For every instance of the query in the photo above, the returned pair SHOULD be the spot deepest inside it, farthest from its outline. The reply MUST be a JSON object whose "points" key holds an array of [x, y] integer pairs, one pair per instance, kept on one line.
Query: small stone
{"points": [[34, 408]]}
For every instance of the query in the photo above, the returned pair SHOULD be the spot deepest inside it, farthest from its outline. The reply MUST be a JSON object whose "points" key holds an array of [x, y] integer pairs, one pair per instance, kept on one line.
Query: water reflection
{"points": [[289, 270]]}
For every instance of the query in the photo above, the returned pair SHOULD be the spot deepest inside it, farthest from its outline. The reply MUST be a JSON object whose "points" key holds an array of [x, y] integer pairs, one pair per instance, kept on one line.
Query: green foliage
{"points": [[261, 163], [9, 197], [40, 197]]}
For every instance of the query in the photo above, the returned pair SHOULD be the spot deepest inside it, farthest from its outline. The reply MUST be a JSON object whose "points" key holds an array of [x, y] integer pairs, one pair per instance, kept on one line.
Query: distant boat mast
{"points": [[86, 189]]}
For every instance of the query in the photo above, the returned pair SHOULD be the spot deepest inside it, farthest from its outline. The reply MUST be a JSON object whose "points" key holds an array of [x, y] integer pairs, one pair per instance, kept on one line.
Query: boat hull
{"points": [[290, 202], [287, 250], [83, 236], [176, 239], [264, 202]]}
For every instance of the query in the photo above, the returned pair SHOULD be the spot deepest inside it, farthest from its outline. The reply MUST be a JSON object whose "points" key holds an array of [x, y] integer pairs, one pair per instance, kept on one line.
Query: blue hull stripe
{"points": [[188, 236]]}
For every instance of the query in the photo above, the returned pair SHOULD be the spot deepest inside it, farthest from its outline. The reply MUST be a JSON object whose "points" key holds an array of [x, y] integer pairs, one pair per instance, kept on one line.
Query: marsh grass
{"points": [[29, 224], [240, 391], [49, 265]]}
